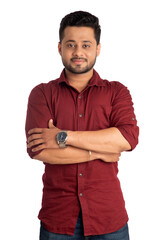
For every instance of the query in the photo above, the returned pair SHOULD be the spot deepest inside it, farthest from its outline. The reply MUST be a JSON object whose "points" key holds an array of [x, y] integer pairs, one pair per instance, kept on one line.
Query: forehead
{"points": [[79, 34]]}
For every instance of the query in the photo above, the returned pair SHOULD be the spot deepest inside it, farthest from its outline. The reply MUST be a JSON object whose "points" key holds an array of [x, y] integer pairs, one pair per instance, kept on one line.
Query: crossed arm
{"points": [[106, 144]]}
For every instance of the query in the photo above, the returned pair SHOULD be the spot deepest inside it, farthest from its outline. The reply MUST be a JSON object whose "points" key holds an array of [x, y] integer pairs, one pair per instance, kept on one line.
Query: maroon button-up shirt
{"points": [[92, 186]]}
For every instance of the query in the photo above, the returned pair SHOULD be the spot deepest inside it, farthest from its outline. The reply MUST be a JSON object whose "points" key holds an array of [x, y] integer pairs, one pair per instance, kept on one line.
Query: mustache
{"points": [[76, 58]]}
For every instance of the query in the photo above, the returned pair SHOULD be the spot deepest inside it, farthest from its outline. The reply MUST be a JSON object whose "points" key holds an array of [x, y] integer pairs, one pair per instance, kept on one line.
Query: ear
{"points": [[98, 49], [59, 48]]}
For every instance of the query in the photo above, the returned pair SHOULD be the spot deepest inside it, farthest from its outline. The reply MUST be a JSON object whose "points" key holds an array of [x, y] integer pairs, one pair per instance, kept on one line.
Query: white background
{"points": [[28, 56]]}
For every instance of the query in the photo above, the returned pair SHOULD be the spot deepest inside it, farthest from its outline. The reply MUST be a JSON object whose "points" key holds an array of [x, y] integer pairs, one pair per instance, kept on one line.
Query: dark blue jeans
{"points": [[121, 234]]}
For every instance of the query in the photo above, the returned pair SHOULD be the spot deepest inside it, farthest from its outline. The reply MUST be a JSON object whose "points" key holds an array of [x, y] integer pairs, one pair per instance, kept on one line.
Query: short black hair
{"points": [[80, 19]]}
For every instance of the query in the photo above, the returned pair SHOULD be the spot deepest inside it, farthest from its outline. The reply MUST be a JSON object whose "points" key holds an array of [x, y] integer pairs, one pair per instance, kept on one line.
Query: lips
{"points": [[78, 60]]}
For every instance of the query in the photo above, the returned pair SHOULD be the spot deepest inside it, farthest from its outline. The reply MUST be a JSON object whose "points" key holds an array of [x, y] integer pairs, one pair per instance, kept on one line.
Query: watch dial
{"points": [[62, 136]]}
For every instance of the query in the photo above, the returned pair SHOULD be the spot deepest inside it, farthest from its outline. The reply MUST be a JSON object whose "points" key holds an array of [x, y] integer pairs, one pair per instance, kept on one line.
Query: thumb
{"points": [[50, 124]]}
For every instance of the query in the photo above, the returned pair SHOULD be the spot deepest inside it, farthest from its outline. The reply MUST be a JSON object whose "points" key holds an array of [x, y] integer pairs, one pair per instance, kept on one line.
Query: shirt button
{"points": [[80, 174], [80, 194], [80, 97], [80, 115]]}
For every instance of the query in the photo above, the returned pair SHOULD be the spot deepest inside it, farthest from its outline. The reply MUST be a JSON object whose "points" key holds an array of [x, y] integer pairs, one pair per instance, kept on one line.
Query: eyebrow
{"points": [[85, 41]]}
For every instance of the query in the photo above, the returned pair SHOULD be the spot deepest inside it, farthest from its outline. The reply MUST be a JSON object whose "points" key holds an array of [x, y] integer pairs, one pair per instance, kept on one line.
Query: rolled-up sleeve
{"points": [[38, 113], [123, 116]]}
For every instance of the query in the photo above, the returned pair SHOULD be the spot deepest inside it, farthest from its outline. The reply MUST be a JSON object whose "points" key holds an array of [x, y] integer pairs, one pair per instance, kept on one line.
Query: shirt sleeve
{"points": [[123, 116], [38, 113]]}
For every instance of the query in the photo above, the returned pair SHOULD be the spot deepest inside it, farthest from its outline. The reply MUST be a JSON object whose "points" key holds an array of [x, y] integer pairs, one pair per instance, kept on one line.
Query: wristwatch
{"points": [[61, 139]]}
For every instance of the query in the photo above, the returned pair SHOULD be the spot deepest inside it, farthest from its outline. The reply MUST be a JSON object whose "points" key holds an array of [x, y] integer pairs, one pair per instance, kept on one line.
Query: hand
{"points": [[110, 157], [41, 138]]}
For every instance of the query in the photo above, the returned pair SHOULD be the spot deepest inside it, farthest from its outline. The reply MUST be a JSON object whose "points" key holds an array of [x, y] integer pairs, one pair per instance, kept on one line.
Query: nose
{"points": [[78, 52]]}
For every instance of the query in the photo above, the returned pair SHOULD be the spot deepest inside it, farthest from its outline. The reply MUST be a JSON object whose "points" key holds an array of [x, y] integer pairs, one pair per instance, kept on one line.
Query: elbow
{"points": [[35, 155], [130, 138], [125, 147], [122, 148], [41, 156], [45, 156]]}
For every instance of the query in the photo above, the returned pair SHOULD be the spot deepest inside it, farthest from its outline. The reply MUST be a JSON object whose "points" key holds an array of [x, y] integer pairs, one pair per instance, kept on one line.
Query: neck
{"points": [[79, 81]]}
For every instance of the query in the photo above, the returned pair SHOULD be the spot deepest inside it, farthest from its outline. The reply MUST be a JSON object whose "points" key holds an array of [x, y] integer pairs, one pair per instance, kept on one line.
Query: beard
{"points": [[78, 69]]}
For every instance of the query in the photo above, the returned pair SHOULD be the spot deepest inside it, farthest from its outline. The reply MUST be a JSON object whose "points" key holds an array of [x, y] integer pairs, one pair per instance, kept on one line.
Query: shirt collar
{"points": [[94, 81]]}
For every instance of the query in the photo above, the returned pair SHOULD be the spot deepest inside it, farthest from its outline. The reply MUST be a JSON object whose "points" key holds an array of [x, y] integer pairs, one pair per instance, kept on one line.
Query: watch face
{"points": [[62, 136]]}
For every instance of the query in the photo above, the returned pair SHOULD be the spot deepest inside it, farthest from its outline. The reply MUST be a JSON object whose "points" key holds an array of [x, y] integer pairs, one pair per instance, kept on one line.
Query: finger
{"points": [[35, 142], [33, 137], [40, 147], [50, 124], [35, 130]]}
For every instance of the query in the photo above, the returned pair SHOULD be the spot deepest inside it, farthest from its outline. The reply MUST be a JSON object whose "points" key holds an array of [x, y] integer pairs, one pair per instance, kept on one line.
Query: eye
{"points": [[86, 46], [70, 45]]}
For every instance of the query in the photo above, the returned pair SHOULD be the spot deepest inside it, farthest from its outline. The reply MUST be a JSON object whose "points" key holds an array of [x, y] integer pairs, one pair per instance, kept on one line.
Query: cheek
{"points": [[66, 54], [92, 55]]}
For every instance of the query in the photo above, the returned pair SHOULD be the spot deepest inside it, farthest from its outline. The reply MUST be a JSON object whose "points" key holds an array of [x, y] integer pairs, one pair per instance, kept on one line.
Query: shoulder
{"points": [[45, 86], [43, 89], [117, 90], [114, 86]]}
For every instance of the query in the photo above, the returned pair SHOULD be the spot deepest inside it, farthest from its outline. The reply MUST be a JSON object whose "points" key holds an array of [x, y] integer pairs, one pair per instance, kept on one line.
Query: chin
{"points": [[78, 70]]}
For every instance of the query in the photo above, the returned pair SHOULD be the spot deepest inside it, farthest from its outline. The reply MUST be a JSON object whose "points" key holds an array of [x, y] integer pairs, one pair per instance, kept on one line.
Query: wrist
{"points": [[90, 155], [69, 138], [93, 156]]}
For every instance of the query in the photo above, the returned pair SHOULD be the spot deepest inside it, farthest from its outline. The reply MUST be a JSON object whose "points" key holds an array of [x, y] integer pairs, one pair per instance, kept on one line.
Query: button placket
{"points": [[80, 111], [80, 114], [81, 179]]}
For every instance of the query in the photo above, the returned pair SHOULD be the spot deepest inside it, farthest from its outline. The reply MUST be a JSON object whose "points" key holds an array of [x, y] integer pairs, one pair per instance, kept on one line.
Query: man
{"points": [[78, 125]]}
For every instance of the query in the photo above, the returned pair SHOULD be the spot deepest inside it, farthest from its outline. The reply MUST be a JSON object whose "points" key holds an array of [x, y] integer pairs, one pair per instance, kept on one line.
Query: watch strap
{"points": [[62, 144]]}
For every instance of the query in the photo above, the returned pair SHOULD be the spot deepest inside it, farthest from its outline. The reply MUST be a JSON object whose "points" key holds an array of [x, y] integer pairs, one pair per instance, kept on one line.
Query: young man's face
{"points": [[79, 49]]}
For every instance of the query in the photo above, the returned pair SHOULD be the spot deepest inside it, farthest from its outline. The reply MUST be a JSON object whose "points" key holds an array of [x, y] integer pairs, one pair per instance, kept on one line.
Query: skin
{"points": [[78, 51], [52, 154]]}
